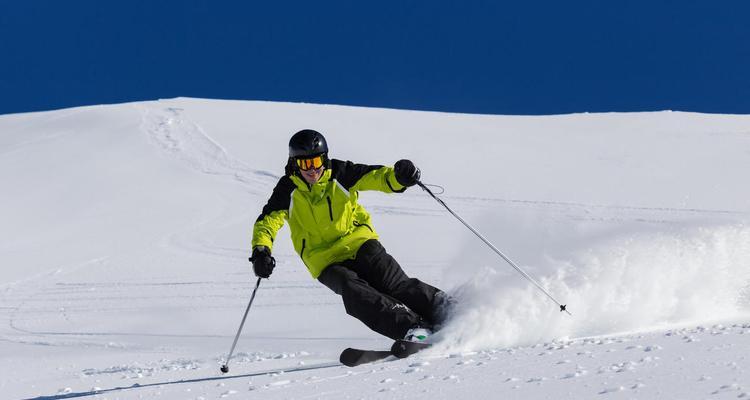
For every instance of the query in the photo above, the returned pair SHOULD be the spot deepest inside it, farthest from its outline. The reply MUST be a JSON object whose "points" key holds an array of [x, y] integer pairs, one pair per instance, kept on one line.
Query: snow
{"points": [[125, 230]]}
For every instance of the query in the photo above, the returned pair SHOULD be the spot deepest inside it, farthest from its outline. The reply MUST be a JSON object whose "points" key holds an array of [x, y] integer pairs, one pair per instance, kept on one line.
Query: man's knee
{"points": [[368, 250], [335, 277]]}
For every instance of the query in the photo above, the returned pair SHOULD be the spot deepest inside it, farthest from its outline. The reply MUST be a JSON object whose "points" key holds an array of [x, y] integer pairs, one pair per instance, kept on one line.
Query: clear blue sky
{"points": [[499, 57]]}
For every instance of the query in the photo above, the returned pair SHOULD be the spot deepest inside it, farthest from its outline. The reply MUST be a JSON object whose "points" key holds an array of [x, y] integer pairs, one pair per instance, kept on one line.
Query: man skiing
{"points": [[333, 235]]}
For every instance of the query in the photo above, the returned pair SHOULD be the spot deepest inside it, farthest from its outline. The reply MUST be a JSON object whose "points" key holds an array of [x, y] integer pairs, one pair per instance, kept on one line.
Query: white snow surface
{"points": [[125, 231]]}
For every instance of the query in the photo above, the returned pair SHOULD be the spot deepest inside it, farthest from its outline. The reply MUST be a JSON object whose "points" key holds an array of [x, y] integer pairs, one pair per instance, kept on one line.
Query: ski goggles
{"points": [[306, 164]]}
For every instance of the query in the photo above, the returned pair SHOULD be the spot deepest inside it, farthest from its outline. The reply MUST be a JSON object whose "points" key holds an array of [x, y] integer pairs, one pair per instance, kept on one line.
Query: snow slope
{"points": [[125, 231]]}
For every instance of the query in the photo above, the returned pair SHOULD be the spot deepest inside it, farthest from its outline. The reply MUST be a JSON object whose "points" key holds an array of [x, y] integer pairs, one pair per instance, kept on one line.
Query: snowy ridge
{"points": [[126, 232]]}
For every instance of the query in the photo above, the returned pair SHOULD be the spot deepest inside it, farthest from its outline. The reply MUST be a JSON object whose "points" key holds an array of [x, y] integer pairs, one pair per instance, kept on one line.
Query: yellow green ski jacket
{"points": [[326, 222]]}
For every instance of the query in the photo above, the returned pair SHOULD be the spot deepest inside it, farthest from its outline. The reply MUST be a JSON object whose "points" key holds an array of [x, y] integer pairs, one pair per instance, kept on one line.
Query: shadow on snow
{"points": [[215, 378]]}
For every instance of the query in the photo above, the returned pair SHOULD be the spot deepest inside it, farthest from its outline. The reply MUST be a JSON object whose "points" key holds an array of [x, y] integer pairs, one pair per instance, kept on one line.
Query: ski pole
{"points": [[225, 367], [563, 307]]}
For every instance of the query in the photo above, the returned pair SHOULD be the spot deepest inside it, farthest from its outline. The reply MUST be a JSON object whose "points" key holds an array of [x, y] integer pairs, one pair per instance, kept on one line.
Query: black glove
{"points": [[407, 174], [263, 262]]}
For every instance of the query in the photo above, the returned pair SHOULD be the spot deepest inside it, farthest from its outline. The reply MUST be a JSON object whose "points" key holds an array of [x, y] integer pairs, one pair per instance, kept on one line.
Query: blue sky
{"points": [[520, 57]]}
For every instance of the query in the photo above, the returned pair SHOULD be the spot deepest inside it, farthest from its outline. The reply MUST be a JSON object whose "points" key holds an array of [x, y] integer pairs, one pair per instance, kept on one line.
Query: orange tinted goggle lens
{"points": [[309, 163]]}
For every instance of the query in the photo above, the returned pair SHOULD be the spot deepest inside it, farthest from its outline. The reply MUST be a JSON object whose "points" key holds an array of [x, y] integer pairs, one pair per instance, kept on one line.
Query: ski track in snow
{"points": [[185, 140], [563, 211]]}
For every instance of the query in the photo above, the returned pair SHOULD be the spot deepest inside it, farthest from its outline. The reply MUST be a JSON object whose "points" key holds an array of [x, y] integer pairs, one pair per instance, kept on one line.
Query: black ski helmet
{"points": [[307, 143]]}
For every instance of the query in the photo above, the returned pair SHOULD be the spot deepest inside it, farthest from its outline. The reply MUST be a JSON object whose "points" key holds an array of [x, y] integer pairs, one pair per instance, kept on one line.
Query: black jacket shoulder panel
{"points": [[281, 197], [348, 173]]}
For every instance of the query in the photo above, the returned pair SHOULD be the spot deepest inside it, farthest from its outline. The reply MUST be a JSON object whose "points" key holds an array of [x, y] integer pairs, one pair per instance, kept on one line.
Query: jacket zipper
{"points": [[302, 252], [330, 208]]}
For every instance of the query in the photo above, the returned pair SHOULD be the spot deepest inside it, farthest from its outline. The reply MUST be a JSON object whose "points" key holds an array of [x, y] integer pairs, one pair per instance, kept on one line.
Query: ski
{"points": [[400, 349], [353, 357], [404, 348]]}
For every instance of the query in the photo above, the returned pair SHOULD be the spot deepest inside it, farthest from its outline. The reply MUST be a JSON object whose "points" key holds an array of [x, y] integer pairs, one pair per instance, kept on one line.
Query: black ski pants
{"points": [[376, 291]]}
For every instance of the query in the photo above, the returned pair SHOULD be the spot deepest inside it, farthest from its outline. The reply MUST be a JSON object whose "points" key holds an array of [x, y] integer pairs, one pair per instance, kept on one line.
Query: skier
{"points": [[333, 235]]}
